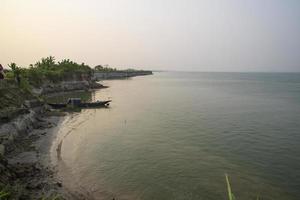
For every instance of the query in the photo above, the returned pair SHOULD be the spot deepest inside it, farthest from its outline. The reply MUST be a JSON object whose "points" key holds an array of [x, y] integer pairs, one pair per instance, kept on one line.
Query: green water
{"points": [[175, 135]]}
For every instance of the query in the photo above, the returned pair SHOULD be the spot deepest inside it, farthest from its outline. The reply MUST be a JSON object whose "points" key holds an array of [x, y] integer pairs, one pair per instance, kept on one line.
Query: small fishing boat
{"points": [[76, 102]]}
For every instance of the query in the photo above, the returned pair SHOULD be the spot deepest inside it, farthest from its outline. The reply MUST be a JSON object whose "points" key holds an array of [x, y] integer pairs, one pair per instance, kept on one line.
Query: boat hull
{"points": [[97, 104]]}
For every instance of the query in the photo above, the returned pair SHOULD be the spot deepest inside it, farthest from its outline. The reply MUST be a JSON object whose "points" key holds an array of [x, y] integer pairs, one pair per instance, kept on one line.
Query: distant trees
{"points": [[47, 69], [99, 68], [46, 63], [105, 68]]}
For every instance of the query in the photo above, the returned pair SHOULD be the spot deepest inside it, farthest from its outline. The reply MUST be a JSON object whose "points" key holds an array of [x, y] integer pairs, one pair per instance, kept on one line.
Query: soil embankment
{"points": [[27, 129]]}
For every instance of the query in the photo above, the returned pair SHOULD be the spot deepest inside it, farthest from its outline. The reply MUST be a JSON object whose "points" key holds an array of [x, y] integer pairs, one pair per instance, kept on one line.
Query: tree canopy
{"points": [[47, 69]]}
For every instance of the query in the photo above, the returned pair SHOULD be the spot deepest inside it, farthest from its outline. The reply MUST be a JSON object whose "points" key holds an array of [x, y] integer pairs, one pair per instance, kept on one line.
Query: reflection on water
{"points": [[175, 135]]}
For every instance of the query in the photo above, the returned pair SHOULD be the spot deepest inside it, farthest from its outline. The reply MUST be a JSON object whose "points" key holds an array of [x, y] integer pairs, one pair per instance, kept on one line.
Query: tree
{"points": [[16, 72], [46, 63], [99, 68]]}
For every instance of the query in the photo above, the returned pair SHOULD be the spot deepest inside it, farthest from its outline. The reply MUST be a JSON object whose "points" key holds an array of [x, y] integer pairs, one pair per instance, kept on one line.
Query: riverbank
{"points": [[67, 86], [27, 170], [28, 128]]}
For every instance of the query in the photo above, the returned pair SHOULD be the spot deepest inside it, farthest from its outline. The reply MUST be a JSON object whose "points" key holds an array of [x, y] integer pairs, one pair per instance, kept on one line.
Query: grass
{"points": [[229, 191], [4, 195]]}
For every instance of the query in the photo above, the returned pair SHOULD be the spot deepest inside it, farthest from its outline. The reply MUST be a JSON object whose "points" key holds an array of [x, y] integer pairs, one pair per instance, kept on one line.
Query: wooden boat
{"points": [[95, 104], [76, 102]]}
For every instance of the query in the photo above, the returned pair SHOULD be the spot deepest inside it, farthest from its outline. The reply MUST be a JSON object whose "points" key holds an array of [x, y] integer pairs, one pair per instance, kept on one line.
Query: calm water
{"points": [[175, 135]]}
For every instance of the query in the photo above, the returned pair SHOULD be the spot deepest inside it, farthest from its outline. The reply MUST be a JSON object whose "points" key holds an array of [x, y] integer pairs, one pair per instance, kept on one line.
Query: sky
{"points": [[185, 35]]}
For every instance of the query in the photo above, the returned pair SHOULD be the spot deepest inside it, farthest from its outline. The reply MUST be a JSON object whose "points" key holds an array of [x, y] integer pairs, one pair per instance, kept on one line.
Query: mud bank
{"points": [[67, 86], [26, 169]]}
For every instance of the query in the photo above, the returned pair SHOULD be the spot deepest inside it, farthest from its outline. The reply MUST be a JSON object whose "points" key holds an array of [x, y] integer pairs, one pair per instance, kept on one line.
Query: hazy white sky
{"points": [[202, 35]]}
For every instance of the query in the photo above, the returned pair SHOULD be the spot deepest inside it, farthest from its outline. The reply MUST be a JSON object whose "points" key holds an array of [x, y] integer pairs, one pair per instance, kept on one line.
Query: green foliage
{"points": [[63, 70], [16, 72], [47, 70], [34, 76], [4, 194], [99, 68], [19, 75], [105, 68], [9, 75], [25, 85], [46, 63], [71, 70], [15, 69]]}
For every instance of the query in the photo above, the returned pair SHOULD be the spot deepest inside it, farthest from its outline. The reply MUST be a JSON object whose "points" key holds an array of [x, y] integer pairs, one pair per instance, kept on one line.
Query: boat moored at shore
{"points": [[76, 102]]}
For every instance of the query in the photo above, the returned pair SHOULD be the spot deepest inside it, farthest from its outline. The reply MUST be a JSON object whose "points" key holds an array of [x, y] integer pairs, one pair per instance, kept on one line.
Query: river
{"points": [[174, 136]]}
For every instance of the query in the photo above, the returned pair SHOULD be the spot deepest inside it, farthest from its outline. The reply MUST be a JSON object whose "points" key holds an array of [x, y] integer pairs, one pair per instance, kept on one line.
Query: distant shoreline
{"points": [[120, 74]]}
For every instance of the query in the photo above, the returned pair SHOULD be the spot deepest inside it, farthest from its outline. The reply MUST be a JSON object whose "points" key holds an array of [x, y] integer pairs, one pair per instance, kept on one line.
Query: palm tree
{"points": [[99, 68], [16, 72], [46, 63]]}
